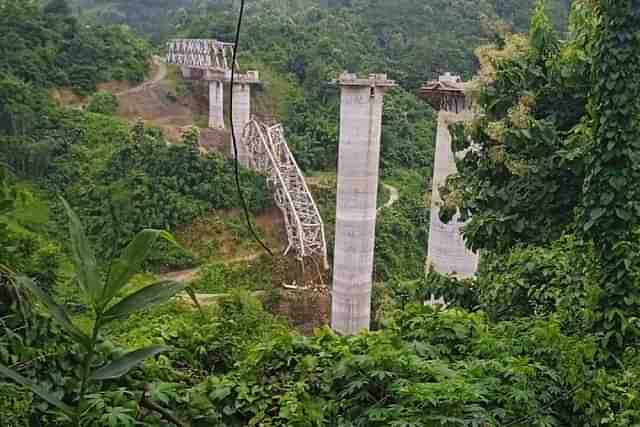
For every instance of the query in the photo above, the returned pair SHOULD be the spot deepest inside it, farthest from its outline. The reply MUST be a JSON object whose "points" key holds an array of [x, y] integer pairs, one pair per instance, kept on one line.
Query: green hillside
{"points": [[132, 292]]}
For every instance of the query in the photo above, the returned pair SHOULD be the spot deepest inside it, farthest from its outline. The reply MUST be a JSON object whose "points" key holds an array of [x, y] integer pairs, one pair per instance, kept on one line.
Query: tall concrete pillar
{"points": [[447, 253], [216, 104], [358, 166], [241, 116]]}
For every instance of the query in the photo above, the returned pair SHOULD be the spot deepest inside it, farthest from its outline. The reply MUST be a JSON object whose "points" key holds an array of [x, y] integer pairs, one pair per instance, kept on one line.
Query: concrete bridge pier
{"points": [[216, 104], [447, 252], [358, 167], [241, 117]]}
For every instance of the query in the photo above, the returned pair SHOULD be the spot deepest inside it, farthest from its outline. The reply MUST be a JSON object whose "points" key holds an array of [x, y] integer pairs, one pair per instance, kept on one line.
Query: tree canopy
{"points": [[46, 46]]}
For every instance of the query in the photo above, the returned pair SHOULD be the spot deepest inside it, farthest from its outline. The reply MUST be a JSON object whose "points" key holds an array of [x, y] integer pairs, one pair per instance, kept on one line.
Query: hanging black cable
{"points": [[247, 216]]}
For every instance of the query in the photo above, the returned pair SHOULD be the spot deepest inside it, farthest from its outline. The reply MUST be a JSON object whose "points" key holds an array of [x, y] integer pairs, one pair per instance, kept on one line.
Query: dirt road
{"points": [[159, 75], [394, 196]]}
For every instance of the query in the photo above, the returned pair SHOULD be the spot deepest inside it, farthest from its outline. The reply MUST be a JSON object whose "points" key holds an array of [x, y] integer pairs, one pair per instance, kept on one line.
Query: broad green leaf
{"points": [[121, 366], [194, 297], [130, 262], [597, 213], [57, 312], [44, 394], [83, 257], [144, 298]]}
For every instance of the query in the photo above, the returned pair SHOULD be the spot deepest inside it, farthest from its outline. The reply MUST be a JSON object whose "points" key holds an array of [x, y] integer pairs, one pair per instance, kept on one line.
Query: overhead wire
{"points": [[245, 208]]}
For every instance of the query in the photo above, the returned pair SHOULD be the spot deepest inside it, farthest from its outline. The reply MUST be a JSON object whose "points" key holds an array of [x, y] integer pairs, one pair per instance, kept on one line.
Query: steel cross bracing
{"points": [[270, 154], [206, 54]]}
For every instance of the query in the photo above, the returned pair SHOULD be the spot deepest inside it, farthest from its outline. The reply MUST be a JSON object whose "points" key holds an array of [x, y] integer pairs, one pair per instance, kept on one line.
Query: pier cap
{"points": [[374, 80], [250, 77], [441, 91]]}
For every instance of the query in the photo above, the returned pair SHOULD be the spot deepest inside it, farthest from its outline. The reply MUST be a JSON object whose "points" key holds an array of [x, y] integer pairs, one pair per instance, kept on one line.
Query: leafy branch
{"points": [[102, 293]]}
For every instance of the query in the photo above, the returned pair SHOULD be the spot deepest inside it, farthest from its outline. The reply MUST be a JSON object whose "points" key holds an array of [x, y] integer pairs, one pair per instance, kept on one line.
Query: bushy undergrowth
{"points": [[25, 245], [205, 342], [222, 277], [237, 366], [38, 350], [103, 103], [122, 180], [429, 368]]}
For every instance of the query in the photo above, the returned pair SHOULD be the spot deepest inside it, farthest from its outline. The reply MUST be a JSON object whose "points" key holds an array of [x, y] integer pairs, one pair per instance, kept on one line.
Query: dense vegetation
{"points": [[47, 46], [535, 139], [44, 47], [407, 38], [547, 334], [120, 179]]}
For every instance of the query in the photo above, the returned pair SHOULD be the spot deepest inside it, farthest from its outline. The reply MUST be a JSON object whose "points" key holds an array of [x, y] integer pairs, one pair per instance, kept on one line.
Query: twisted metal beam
{"points": [[270, 154]]}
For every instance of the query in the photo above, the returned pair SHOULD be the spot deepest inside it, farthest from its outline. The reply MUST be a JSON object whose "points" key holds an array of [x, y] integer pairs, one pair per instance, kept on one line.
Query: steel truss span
{"points": [[269, 153], [206, 54]]}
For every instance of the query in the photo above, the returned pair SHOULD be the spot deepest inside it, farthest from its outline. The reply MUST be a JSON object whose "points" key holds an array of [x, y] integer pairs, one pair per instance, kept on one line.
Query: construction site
{"points": [[263, 147]]}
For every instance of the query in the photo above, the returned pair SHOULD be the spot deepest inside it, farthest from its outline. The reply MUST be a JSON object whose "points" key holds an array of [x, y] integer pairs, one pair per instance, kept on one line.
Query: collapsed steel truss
{"points": [[205, 54], [267, 147], [270, 154]]}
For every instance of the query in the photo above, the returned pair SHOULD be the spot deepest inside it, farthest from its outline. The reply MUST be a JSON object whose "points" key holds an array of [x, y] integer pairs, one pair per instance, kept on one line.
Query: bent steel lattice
{"points": [[270, 154]]}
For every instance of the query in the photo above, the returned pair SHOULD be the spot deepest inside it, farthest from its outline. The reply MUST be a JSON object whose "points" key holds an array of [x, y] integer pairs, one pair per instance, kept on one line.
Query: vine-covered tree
{"points": [[554, 150], [522, 177], [611, 201]]}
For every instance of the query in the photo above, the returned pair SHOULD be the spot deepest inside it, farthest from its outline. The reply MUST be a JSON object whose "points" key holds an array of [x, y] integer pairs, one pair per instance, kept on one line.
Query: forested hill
{"points": [[407, 38], [42, 45]]}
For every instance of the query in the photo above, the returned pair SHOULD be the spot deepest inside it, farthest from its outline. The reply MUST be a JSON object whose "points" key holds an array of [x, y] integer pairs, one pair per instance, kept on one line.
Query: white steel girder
{"points": [[206, 54], [269, 153]]}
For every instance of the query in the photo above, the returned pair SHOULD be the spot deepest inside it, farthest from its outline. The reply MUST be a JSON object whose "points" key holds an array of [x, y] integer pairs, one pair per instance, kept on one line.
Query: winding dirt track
{"points": [[394, 196], [160, 74], [184, 276], [152, 101]]}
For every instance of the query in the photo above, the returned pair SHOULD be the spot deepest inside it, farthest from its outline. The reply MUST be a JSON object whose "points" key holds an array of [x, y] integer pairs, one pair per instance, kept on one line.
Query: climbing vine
{"points": [[611, 196]]}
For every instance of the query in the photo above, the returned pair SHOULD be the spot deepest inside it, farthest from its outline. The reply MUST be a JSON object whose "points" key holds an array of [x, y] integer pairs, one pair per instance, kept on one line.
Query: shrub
{"points": [[103, 103], [15, 406], [444, 368], [101, 292], [532, 281]]}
